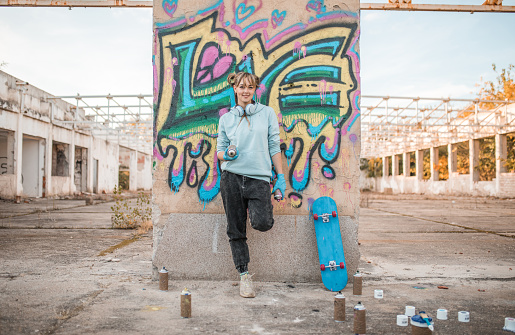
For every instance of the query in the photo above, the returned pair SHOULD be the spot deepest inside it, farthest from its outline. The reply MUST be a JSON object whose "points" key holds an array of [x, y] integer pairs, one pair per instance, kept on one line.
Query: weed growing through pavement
{"points": [[126, 216]]}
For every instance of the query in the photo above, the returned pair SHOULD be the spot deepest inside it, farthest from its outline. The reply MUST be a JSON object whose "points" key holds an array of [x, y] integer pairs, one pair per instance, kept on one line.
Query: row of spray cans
{"points": [[185, 294], [360, 323], [360, 319]]}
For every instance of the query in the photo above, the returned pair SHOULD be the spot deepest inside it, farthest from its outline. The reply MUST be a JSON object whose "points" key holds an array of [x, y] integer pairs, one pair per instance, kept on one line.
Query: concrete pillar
{"points": [[48, 153], [89, 180], [133, 171], [501, 154], [473, 162], [395, 165], [386, 170], [189, 220], [452, 158], [71, 166], [405, 164], [18, 147], [434, 164], [419, 162]]}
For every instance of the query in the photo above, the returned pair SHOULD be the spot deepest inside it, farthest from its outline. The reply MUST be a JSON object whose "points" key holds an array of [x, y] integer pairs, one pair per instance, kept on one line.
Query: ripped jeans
{"points": [[240, 193]]}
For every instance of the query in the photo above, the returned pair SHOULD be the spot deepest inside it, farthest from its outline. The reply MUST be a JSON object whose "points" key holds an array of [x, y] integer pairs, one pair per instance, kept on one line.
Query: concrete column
{"points": [[452, 162], [89, 179], [501, 154], [419, 161], [48, 153], [405, 164], [434, 163], [473, 162], [71, 166], [385, 167], [395, 165], [133, 171], [18, 147]]}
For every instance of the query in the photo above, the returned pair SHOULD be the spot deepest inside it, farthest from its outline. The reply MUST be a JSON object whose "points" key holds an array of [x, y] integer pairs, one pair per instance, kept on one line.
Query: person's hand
{"points": [[229, 158], [280, 184]]}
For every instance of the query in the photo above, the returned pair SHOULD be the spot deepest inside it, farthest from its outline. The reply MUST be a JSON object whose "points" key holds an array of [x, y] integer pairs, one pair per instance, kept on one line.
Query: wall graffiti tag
{"points": [[309, 76]]}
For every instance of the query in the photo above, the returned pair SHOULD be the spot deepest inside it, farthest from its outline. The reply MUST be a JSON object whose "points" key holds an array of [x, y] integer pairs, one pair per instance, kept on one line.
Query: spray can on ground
{"points": [[185, 304], [339, 307], [360, 319], [163, 279], [231, 150], [278, 195], [357, 285]]}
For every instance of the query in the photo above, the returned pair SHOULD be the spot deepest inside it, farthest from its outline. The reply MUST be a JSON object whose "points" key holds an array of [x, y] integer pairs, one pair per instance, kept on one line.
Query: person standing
{"points": [[245, 184]]}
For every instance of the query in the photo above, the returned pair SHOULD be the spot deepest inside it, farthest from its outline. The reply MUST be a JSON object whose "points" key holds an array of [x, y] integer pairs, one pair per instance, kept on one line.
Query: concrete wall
{"points": [[306, 54], [31, 129]]}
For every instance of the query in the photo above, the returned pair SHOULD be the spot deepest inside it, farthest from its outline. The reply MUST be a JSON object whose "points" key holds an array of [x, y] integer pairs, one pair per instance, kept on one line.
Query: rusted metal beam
{"points": [[79, 3], [402, 6], [438, 8]]}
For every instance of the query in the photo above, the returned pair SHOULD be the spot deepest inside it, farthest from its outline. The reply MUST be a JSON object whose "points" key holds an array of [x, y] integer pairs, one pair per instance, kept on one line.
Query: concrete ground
{"points": [[63, 270]]}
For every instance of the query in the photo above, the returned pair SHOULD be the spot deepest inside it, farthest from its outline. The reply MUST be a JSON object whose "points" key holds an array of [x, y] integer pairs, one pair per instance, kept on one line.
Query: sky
{"points": [[101, 50]]}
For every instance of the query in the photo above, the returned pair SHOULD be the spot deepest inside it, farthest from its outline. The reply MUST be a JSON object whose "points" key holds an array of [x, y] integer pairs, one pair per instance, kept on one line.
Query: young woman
{"points": [[254, 130]]}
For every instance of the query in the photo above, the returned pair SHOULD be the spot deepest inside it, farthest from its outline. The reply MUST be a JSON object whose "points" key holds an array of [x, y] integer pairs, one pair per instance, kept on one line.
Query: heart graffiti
{"points": [[170, 6], [277, 18]]}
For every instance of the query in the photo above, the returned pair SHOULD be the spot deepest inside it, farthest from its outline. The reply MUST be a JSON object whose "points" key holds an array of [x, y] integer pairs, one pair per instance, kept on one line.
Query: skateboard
{"points": [[329, 243]]}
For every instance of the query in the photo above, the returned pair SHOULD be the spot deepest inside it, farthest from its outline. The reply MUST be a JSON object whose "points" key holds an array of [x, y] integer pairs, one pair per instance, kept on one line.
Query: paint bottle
{"points": [[185, 304], [360, 319], [357, 284], [231, 150], [163, 279], [339, 307]]}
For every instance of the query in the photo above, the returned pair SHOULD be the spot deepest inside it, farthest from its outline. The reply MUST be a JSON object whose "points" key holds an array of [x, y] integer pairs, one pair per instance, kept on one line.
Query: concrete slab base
{"points": [[195, 246]]}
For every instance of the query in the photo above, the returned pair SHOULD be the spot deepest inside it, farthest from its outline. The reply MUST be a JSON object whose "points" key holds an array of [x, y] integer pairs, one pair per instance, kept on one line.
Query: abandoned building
{"points": [[50, 147], [438, 146]]}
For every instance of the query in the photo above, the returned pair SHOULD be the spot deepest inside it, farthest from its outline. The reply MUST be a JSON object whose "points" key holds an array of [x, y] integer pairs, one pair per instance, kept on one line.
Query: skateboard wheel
{"points": [[315, 216], [342, 266], [334, 214], [322, 267]]}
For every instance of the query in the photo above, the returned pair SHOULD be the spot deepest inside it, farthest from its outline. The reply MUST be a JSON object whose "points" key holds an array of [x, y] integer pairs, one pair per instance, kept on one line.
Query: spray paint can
{"points": [[339, 307], [163, 279], [231, 150], [185, 304], [278, 195], [360, 319], [357, 284]]}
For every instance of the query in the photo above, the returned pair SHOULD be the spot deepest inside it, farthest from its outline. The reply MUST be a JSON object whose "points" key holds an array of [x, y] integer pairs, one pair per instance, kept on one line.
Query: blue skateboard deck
{"points": [[329, 243]]}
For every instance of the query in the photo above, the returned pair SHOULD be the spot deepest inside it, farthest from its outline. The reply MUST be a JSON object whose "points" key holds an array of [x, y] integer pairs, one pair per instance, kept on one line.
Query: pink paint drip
{"points": [[300, 49], [335, 142], [157, 154]]}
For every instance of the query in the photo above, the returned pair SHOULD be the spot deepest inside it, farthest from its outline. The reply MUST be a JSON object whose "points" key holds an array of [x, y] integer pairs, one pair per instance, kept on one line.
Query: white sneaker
{"points": [[246, 289]]}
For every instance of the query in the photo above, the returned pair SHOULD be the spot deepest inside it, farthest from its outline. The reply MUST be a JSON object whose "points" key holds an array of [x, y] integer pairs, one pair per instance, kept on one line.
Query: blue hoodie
{"points": [[256, 136]]}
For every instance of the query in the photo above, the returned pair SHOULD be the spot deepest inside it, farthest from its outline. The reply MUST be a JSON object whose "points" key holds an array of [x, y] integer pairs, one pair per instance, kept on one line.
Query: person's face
{"points": [[244, 91]]}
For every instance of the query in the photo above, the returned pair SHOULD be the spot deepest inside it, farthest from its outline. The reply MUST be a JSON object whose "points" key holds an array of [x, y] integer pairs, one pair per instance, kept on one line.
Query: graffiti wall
{"points": [[306, 53]]}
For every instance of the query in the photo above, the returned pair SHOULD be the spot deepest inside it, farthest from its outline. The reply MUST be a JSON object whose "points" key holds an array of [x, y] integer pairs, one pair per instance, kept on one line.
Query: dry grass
{"points": [[144, 228]]}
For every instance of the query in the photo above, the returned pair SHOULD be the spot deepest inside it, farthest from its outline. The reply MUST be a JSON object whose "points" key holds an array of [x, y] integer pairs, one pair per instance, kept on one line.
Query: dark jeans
{"points": [[240, 193]]}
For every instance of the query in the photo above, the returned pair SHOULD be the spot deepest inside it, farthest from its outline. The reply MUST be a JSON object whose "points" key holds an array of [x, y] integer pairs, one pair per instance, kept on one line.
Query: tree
{"points": [[503, 88]]}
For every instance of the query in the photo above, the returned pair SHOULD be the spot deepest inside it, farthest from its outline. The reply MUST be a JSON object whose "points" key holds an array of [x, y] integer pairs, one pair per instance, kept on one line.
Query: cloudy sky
{"points": [[100, 51]]}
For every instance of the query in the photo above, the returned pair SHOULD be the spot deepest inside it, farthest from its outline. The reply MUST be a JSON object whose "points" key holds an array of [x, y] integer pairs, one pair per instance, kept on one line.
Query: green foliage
{"points": [[462, 149], [486, 164], [510, 158], [124, 179], [128, 217], [374, 167]]}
